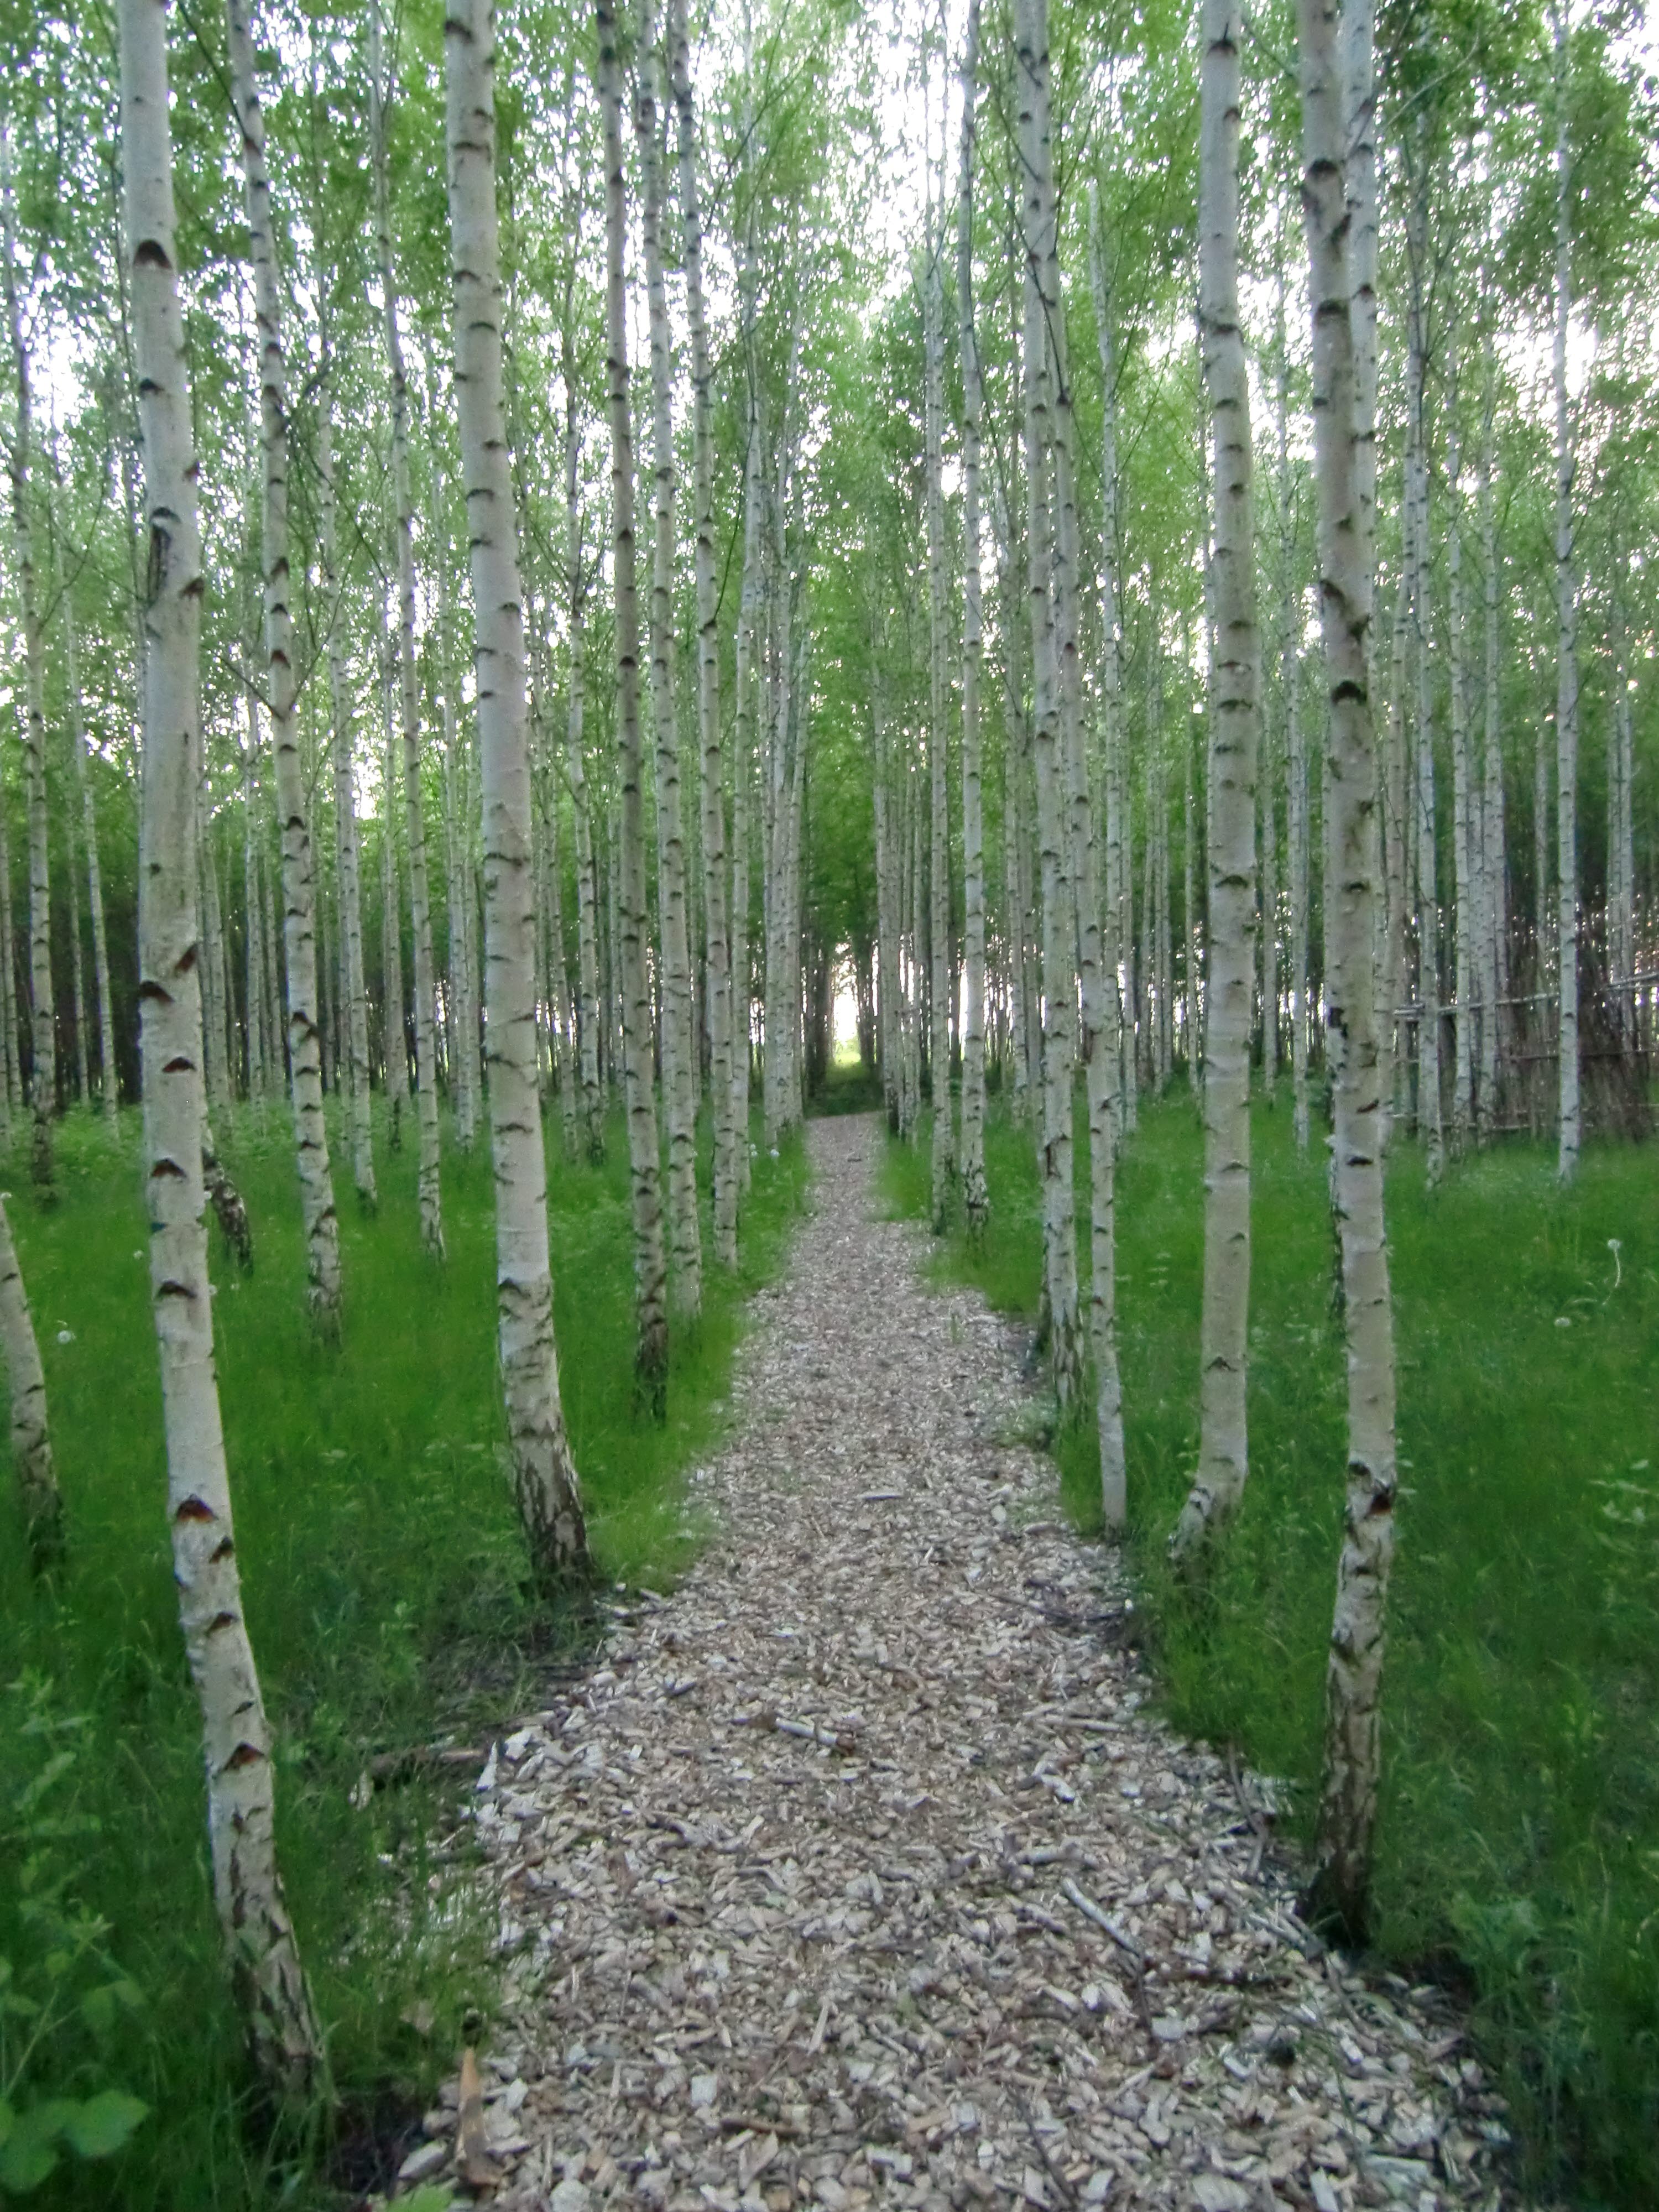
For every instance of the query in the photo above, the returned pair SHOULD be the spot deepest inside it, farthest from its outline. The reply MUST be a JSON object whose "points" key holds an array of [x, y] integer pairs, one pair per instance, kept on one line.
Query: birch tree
{"points": [[37, 1493], [1566, 598], [266, 1977], [1352, 1748], [939, 869], [304, 1035], [975, 1197], [650, 1268], [1223, 1461], [409, 706], [548, 1494]]}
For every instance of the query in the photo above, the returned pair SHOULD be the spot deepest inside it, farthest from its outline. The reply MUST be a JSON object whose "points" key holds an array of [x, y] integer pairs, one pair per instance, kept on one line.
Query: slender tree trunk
{"points": [[543, 1472], [975, 1197], [1423, 804], [1037, 213], [677, 1035], [939, 863], [1621, 857], [14, 1094], [106, 1074], [743, 743], [468, 1077], [1464, 921], [1352, 1748], [1111, 614], [258, 1038], [1566, 592], [392, 921], [722, 1093], [346, 854], [1223, 1462], [429, 1180], [37, 1493], [304, 1040], [1495, 962], [43, 1075], [587, 931], [265, 1972], [650, 1269]]}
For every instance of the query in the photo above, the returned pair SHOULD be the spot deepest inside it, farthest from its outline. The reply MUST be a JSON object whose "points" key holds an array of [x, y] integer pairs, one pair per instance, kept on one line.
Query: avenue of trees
{"points": [[545, 547]]}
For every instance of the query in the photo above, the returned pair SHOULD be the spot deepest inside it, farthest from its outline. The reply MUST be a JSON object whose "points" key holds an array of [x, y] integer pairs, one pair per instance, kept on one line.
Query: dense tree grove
{"points": [[549, 550]]}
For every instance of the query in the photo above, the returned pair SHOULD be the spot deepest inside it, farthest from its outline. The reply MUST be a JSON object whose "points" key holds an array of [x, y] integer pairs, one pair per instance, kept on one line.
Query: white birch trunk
{"points": [[43, 1075], [1352, 1748], [1566, 686], [1425, 884], [588, 929], [974, 1194], [678, 1041], [938, 865], [632, 920], [304, 1037], [1037, 219], [347, 868], [391, 923], [1223, 1463], [265, 1974], [722, 1094], [430, 1172], [108, 1082], [543, 1472], [37, 1493], [1464, 918]]}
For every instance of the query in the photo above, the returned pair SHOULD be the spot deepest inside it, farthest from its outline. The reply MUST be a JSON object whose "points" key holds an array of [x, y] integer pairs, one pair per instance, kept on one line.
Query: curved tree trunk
{"points": [[265, 1974], [650, 1267], [543, 1472], [304, 1037], [1223, 1457]]}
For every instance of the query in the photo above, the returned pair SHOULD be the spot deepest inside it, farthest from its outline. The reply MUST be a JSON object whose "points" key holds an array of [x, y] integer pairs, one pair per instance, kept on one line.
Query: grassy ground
{"points": [[385, 1587], [1520, 1828]]}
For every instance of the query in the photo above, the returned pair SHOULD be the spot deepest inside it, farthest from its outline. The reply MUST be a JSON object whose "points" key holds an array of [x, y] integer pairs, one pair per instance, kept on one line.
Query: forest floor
{"points": [[858, 1872]]}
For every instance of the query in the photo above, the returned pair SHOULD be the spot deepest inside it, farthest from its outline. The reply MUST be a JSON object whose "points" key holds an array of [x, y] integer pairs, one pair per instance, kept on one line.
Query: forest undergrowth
{"points": [[1516, 1854], [388, 1601]]}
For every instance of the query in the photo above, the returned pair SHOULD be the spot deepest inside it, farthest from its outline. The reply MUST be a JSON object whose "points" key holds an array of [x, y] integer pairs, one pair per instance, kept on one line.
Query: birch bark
{"points": [[1222, 1464], [678, 1043], [939, 859], [1566, 681], [1352, 1748], [650, 1267], [38, 1492], [543, 1473], [108, 1082], [975, 1196], [265, 1972], [430, 1174], [304, 1037], [43, 1074], [722, 1094], [392, 921], [1037, 217]]}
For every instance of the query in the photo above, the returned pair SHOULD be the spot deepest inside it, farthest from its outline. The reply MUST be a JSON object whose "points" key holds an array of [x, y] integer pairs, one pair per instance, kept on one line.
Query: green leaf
{"points": [[29, 2153], [98, 2128]]}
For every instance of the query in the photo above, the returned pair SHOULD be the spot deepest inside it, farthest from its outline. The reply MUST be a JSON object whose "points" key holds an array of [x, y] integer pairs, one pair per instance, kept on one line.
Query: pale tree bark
{"points": [[304, 1038], [395, 1039], [347, 869], [468, 1074], [1495, 942], [260, 1042], [1566, 666], [1296, 764], [1352, 1748], [1223, 1461], [107, 1085], [975, 1196], [37, 1493], [886, 886], [43, 1073], [1621, 853], [588, 929], [1037, 219], [712, 779], [678, 1040], [1464, 918], [938, 863], [543, 1473], [265, 1972], [14, 1097], [430, 1172], [1423, 827], [1111, 616], [744, 681], [215, 1053], [650, 1267]]}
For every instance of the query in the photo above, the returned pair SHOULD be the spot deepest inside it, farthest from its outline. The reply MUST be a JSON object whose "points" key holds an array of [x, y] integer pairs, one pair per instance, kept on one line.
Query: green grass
{"points": [[386, 1594], [1519, 1839]]}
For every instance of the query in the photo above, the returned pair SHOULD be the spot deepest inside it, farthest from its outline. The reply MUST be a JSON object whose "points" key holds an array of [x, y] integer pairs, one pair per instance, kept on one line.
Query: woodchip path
{"points": [[860, 1873]]}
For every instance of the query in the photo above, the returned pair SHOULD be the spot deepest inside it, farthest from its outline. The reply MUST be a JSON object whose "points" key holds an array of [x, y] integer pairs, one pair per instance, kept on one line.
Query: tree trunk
{"points": [[1495, 946], [304, 1039], [107, 1085], [265, 1974], [346, 854], [722, 1092], [1465, 919], [1348, 1798], [1423, 802], [543, 1473], [38, 1494], [1566, 594], [430, 1182], [677, 1035], [1223, 1462], [938, 858], [43, 1074], [975, 1197], [259, 1037], [1037, 214], [650, 1269]]}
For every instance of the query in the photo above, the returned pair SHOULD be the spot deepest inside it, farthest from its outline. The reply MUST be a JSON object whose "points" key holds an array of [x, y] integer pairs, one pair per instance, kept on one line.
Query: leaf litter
{"points": [[859, 1874]]}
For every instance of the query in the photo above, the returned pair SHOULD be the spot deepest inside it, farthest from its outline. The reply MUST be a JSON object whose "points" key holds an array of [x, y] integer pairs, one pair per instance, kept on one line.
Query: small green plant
{"points": [[62, 1996]]}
